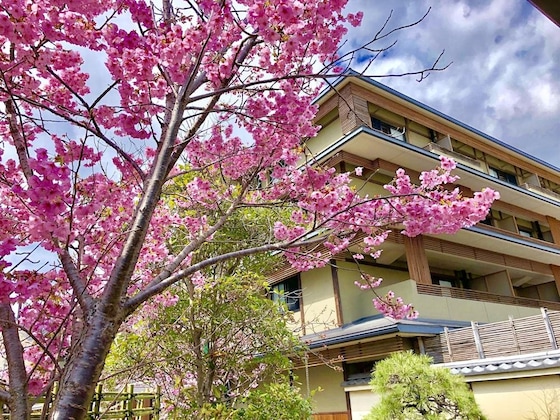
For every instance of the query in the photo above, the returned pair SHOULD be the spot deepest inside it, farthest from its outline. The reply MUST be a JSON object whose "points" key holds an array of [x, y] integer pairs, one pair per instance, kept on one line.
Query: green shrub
{"points": [[411, 388], [277, 401]]}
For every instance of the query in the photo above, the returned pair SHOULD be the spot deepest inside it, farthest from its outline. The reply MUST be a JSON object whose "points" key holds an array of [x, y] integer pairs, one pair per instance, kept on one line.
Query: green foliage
{"points": [[246, 225], [275, 401], [411, 388], [211, 349], [221, 341]]}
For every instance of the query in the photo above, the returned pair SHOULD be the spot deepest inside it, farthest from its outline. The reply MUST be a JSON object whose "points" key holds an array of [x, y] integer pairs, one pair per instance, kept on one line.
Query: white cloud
{"points": [[506, 61]]}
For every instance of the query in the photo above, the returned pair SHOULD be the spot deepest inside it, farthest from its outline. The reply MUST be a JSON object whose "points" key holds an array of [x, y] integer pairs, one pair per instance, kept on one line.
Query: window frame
{"points": [[287, 293], [387, 129], [506, 177]]}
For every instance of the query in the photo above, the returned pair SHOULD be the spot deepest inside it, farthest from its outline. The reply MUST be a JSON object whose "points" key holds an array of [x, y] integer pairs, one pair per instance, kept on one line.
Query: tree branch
{"points": [[168, 154], [5, 397], [18, 138], [155, 289], [17, 373], [85, 300], [96, 131]]}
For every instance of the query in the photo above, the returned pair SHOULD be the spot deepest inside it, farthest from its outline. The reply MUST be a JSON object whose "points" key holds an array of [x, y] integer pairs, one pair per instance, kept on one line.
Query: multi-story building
{"points": [[506, 266]]}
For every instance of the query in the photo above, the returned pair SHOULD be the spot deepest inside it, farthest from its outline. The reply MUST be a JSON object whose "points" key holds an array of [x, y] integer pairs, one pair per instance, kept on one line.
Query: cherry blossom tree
{"points": [[102, 101]]}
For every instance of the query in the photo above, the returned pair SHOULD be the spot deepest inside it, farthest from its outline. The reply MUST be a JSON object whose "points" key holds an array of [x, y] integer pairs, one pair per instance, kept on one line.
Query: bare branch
{"points": [[85, 300], [18, 138], [141, 297], [95, 130]]}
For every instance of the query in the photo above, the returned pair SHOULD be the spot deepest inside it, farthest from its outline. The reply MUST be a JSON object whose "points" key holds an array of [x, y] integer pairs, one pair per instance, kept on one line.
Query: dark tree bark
{"points": [[18, 401], [83, 369]]}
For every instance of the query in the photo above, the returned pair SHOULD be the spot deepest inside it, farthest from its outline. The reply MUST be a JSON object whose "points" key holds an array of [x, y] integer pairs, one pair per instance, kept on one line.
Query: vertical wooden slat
{"points": [[514, 334], [421, 346], [549, 330], [157, 403], [554, 229], [416, 259], [96, 404], [477, 342], [556, 273], [129, 402], [448, 342], [336, 289]]}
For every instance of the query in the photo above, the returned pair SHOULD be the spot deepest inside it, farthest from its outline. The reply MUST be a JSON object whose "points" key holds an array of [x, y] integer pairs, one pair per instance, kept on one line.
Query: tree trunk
{"points": [[81, 373], [17, 375]]}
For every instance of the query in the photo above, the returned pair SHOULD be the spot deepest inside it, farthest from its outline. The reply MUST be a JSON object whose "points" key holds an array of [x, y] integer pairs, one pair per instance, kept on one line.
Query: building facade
{"points": [[506, 266]]}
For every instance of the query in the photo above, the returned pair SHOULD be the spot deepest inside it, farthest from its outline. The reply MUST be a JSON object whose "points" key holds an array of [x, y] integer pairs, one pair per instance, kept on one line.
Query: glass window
{"points": [[526, 233], [503, 176], [288, 293], [359, 370], [387, 129]]}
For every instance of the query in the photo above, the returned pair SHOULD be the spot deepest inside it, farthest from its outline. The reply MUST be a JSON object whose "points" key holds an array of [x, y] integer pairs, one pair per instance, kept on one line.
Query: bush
{"points": [[411, 388], [275, 401]]}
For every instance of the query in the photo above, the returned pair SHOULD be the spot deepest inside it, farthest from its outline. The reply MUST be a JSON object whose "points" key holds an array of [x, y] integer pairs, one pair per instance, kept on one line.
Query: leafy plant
{"points": [[211, 350], [275, 401], [411, 388]]}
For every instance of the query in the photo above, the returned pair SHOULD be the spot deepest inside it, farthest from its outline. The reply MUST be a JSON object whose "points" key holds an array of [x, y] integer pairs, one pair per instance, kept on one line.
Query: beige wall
{"points": [[361, 400], [368, 188], [331, 398], [325, 137], [320, 308], [356, 303], [519, 399], [437, 307], [508, 399], [318, 300]]}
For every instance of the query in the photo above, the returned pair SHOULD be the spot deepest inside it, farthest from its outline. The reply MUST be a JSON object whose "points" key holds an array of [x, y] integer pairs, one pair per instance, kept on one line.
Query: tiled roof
{"points": [[531, 361]]}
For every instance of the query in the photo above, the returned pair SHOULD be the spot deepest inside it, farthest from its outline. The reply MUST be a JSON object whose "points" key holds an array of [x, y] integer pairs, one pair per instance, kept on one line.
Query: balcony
{"points": [[541, 191], [450, 303], [528, 335], [475, 295], [457, 157]]}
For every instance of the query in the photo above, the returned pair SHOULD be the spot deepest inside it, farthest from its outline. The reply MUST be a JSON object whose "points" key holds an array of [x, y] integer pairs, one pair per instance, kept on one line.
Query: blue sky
{"points": [[505, 75]]}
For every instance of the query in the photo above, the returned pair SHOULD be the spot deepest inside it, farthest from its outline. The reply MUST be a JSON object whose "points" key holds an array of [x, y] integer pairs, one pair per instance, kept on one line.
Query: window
{"points": [[460, 279], [287, 293], [387, 129], [357, 371], [444, 280], [529, 229], [502, 176], [526, 232]]}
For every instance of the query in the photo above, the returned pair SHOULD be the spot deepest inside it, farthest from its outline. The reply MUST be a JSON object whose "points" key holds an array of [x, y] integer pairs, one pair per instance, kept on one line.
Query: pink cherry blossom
{"points": [[122, 157]]}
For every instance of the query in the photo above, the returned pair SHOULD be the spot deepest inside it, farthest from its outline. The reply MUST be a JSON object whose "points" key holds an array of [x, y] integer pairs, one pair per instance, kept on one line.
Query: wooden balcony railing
{"points": [[532, 334], [542, 191], [453, 292]]}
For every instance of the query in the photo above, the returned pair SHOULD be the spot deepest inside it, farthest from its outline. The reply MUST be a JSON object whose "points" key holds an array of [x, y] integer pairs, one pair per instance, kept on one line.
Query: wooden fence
{"points": [[506, 338], [332, 416], [127, 404]]}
